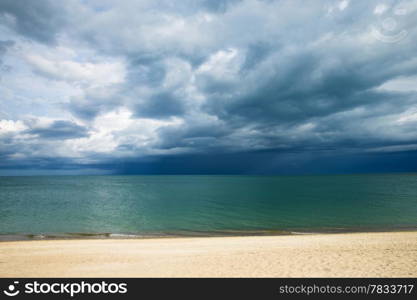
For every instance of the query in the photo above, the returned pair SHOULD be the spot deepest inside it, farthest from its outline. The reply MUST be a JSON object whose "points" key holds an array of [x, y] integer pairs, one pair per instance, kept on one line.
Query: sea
{"points": [[48, 207]]}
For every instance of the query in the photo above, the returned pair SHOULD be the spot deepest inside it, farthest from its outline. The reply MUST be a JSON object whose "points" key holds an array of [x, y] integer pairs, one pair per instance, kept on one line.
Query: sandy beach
{"points": [[390, 254]]}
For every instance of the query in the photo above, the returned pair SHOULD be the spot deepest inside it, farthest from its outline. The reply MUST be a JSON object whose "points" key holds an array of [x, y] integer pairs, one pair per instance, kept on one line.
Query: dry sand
{"points": [[391, 254]]}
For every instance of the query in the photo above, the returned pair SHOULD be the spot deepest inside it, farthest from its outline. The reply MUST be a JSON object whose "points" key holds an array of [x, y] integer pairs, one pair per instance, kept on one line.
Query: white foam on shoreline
{"points": [[123, 235]]}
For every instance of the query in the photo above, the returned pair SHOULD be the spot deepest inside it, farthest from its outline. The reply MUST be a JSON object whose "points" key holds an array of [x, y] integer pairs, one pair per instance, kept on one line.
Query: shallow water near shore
{"points": [[157, 206]]}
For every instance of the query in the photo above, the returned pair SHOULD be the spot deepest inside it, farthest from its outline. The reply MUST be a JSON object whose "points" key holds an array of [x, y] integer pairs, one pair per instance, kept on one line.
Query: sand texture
{"points": [[391, 254]]}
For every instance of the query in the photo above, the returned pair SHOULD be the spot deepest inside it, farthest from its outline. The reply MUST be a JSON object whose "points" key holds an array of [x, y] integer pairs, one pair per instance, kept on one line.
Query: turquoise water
{"points": [[194, 205]]}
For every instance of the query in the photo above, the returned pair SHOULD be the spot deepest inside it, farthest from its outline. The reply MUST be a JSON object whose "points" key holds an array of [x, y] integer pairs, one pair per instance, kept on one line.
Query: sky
{"points": [[207, 87]]}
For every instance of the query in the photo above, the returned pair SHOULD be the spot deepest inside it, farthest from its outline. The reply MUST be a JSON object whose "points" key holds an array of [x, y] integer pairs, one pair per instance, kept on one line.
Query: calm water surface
{"points": [[199, 205]]}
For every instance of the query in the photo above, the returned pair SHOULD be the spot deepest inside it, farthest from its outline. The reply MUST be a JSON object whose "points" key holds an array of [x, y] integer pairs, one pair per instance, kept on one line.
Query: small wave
{"points": [[123, 235], [39, 236], [302, 233]]}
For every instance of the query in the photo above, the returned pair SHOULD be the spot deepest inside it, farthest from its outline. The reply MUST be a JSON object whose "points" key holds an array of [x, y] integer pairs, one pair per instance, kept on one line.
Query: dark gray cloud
{"points": [[4, 45], [146, 71], [160, 105], [59, 130], [218, 5], [255, 54], [40, 20]]}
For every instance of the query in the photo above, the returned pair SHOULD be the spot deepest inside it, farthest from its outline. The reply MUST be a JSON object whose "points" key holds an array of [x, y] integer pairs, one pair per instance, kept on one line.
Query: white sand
{"points": [[392, 254]]}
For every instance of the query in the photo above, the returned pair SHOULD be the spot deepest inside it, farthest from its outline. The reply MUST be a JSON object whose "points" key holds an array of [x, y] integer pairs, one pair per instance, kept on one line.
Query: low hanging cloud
{"points": [[282, 83], [60, 130]]}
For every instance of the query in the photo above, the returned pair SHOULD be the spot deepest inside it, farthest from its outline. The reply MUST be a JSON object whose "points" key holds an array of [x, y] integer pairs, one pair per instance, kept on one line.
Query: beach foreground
{"points": [[390, 254]]}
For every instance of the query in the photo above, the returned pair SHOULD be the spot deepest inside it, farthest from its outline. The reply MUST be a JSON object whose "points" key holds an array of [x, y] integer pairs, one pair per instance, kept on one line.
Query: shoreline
{"points": [[191, 234], [372, 254]]}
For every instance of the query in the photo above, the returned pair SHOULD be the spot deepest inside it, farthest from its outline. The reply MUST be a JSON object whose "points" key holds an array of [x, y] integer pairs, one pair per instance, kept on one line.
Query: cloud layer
{"points": [[225, 86]]}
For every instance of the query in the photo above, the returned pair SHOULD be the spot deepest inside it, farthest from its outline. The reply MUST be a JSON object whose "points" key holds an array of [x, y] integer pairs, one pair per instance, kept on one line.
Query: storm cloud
{"points": [[59, 130], [249, 86]]}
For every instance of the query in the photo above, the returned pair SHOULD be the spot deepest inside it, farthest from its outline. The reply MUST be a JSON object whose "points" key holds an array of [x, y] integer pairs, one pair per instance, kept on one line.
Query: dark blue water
{"points": [[159, 205]]}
